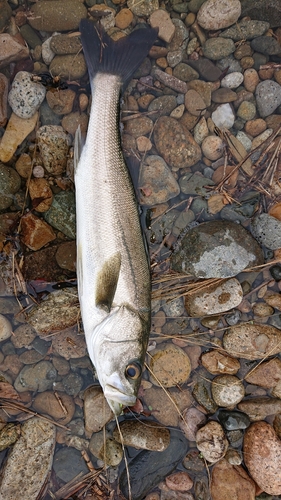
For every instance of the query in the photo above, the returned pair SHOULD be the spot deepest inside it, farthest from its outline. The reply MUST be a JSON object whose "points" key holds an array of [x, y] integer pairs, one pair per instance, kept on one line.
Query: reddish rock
{"points": [[60, 406], [40, 194], [218, 363], [35, 233], [179, 481], [231, 481], [266, 374]]}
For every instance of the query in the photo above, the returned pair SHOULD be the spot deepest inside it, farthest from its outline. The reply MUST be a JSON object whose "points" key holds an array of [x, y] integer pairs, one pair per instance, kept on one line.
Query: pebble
{"points": [[194, 103], [11, 50], [246, 111], [216, 249], [246, 30], [143, 435], [259, 408], [185, 72], [143, 7], [214, 298], [218, 14], [16, 131], [255, 127], [10, 184], [139, 126], [232, 80], [218, 363], [194, 184], [174, 308], [61, 102], [25, 96], [68, 463], [5, 328], [4, 87], [66, 255], [23, 336], [191, 420], [266, 374], [266, 45], [175, 144], [268, 97], [64, 44], [57, 17], [233, 420], [61, 214], [69, 67], [223, 116], [9, 435], [169, 366], [6, 13], [262, 455], [163, 408], [161, 19], [72, 121], [273, 300], [39, 189], [179, 481], [223, 94], [218, 48], [231, 481], [252, 341], [53, 143], [30, 460], [47, 402], [34, 232], [39, 377], [211, 441], [213, 147], [106, 448], [201, 395], [97, 412], [257, 141], [157, 184], [262, 310], [227, 390], [73, 383], [47, 53], [267, 230], [30, 357], [206, 69]]}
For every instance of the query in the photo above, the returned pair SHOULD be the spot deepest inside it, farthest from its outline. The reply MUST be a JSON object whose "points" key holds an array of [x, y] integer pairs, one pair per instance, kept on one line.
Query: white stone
{"points": [[25, 96], [223, 117], [232, 80], [218, 14], [47, 53]]}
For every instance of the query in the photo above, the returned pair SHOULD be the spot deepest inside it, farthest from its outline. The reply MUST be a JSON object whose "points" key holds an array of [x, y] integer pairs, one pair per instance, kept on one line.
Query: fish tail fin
{"points": [[121, 57]]}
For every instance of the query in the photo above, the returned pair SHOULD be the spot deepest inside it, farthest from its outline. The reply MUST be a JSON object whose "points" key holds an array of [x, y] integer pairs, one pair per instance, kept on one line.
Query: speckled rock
{"points": [[25, 96], [232, 80], [170, 81], [57, 15], [246, 111], [227, 390], [69, 67], [153, 437], [61, 102], [96, 410], [139, 126], [106, 448], [4, 87], [163, 409], [268, 97], [217, 249], [211, 441], [213, 147], [32, 452], [169, 366], [16, 131], [175, 144], [23, 336], [219, 363], [262, 455], [267, 230], [69, 344], [162, 105], [231, 481], [218, 48], [64, 44], [39, 377], [258, 408], [214, 299], [5, 328], [195, 184], [251, 79], [157, 184], [218, 14], [247, 29], [190, 422], [252, 341], [266, 45], [61, 214], [53, 143], [9, 184], [266, 374]]}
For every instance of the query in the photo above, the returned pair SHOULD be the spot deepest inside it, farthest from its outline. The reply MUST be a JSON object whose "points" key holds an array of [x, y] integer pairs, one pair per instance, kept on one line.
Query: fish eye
{"points": [[133, 370]]}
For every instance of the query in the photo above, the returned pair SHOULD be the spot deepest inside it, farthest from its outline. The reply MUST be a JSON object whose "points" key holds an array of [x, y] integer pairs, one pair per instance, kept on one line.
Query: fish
{"points": [[113, 272]]}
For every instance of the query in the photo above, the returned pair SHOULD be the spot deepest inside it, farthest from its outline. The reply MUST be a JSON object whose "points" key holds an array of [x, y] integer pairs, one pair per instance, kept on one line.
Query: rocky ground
{"points": [[201, 127]]}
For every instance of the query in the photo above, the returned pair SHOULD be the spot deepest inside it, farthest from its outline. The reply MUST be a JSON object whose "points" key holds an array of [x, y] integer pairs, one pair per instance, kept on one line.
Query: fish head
{"points": [[118, 347]]}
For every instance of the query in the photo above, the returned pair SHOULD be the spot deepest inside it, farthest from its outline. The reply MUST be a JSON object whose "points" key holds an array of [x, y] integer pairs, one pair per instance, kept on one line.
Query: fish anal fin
{"points": [[107, 280]]}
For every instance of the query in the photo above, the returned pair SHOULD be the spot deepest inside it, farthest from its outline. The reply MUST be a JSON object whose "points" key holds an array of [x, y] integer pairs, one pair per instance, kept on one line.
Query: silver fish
{"points": [[112, 266]]}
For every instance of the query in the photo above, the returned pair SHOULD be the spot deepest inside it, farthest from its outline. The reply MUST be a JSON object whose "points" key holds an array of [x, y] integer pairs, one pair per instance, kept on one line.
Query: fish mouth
{"points": [[119, 398]]}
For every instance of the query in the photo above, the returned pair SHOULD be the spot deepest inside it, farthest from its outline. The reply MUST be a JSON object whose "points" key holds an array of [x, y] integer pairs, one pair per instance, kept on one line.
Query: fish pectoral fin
{"points": [[107, 280], [78, 146]]}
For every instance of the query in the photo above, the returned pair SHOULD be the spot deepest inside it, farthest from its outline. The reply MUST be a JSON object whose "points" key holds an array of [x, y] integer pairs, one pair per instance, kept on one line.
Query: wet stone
{"points": [[218, 14], [5, 328], [233, 420], [216, 249], [61, 214], [139, 126], [9, 435], [214, 299], [194, 184], [4, 87], [61, 102], [211, 441], [96, 410], [68, 463], [185, 72], [227, 390], [267, 230], [25, 96], [47, 402], [171, 366], [10, 184], [219, 363], [163, 105], [201, 394], [266, 45], [258, 408], [23, 336], [162, 408], [266, 374], [252, 341], [206, 69], [30, 357], [218, 48], [69, 343], [59, 16], [157, 184], [190, 422], [107, 449], [136, 434], [247, 29], [53, 143], [11, 50], [229, 480], [268, 97], [39, 377], [64, 44]]}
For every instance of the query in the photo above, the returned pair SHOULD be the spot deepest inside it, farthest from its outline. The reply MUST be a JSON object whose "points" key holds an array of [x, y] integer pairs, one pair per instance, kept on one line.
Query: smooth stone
{"points": [[10, 184], [35, 233], [257, 141], [267, 230], [214, 298], [212, 147], [251, 79], [39, 377], [218, 48], [201, 131], [61, 102], [30, 357], [141, 436], [97, 412], [174, 308], [194, 103], [6, 13], [9, 434], [216, 249], [246, 111], [16, 131], [268, 97], [194, 184], [266, 374], [201, 395], [169, 366], [53, 143], [57, 16], [227, 390], [69, 67], [68, 463], [73, 383], [163, 408], [275, 272], [233, 420], [157, 184], [273, 300], [58, 311], [232, 80], [246, 30], [11, 50], [223, 94], [175, 143], [245, 141], [69, 344], [66, 255], [4, 87], [140, 126], [206, 69], [180, 38], [23, 336], [252, 341], [47, 402], [223, 116], [64, 44], [218, 14], [161, 19], [106, 448], [190, 422], [231, 481], [185, 72], [179, 481], [219, 363], [170, 81], [263, 10], [262, 455], [61, 215], [47, 53], [259, 408], [149, 467], [266, 45], [5, 328], [161, 105], [29, 461], [211, 441], [143, 7]]}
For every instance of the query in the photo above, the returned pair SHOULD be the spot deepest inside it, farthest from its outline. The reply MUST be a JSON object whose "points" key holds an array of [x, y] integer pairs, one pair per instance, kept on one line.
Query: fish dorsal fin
{"points": [[107, 280]]}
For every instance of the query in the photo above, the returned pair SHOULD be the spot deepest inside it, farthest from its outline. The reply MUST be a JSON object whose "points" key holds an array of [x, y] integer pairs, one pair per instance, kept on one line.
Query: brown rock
{"points": [[252, 341], [211, 441], [11, 50], [124, 18], [69, 344], [218, 363], [72, 121], [262, 455], [47, 402], [23, 336], [231, 481], [66, 255], [4, 86], [223, 95], [266, 374], [16, 131], [194, 103], [179, 481], [24, 165], [262, 310], [156, 51], [160, 19], [274, 299], [170, 81], [40, 194], [169, 366], [255, 127], [139, 126], [35, 233], [165, 406], [224, 171], [259, 408], [251, 79], [96, 410], [273, 121], [61, 102]]}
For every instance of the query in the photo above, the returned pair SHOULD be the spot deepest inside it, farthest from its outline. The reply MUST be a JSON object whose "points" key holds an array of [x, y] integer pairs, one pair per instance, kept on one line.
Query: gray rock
{"points": [[25, 95], [68, 463], [246, 30], [174, 308], [39, 377], [206, 69], [163, 105], [185, 72], [72, 383], [229, 64], [266, 45], [263, 10], [61, 214], [10, 182], [57, 16], [216, 249], [268, 96], [64, 44], [5, 14], [217, 48], [195, 184], [233, 420], [267, 230], [143, 7], [29, 461]]}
